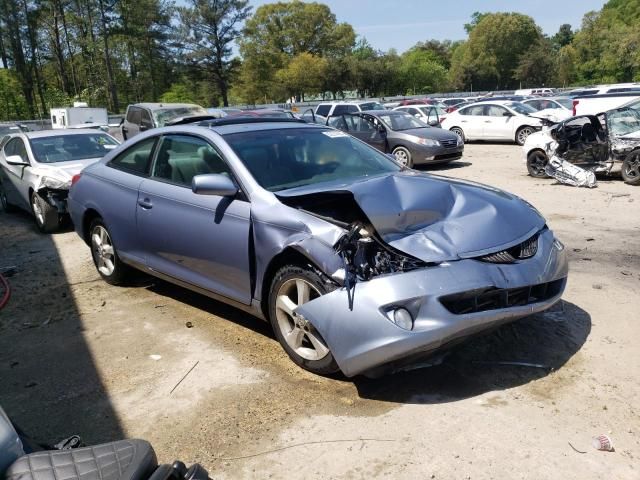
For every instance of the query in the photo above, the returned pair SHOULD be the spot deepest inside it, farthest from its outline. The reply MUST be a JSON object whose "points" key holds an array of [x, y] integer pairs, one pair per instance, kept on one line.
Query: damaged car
{"points": [[36, 169], [594, 143], [359, 264]]}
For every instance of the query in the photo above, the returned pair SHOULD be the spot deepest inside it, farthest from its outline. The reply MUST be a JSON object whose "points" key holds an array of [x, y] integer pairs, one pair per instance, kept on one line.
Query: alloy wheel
{"points": [[103, 251], [401, 157], [298, 332], [523, 133], [37, 209], [632, 167]]}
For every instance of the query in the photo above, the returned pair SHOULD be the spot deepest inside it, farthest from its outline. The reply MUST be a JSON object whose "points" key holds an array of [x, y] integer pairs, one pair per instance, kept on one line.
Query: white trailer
{"points": [[77, 116]]}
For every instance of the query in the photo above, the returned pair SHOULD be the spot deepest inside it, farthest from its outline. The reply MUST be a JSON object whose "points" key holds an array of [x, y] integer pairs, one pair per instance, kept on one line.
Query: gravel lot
{"points": [[80, 356]]}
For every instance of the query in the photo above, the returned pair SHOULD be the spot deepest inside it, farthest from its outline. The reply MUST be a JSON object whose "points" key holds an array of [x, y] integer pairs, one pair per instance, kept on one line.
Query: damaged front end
{"points": [[55, 191]]}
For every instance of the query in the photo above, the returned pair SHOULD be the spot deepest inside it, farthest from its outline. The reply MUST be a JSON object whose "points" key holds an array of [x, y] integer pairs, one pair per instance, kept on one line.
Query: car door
{"points": [[131, 125], [472, 121], [368, 129], [15, 177], [146, 122], [498, 123], [201, 240], [583, 141]]}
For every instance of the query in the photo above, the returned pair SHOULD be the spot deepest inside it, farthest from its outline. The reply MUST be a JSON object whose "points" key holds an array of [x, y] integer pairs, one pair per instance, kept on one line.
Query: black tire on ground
{"points": [[302, 342], [4, 202], [458, 131], [104, 254], [631, 168], [522, 134], [46, 216], [536, 161], [403, 156]]}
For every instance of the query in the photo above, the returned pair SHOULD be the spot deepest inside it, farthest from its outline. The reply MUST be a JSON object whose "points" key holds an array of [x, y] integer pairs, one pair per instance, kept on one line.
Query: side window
{"points": [[340, 109], [413, 111], [496, 111], [133, 115], [145, 118], [534, 104], [135, 159], [474, 110], [323, 110], [10, 147], [181, 157]]}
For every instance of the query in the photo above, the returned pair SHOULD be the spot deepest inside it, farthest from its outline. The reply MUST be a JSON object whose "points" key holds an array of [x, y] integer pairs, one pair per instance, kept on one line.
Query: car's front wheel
{"points": [[293, 286], [631, 168], [458, 131], [47, 216], [536, 162], [104, 254], [403, 156], [523, 133]]}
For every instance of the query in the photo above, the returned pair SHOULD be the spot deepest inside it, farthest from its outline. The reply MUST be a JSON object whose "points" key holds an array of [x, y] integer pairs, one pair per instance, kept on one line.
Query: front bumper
{"points": [[364, 338], [423, 155]]}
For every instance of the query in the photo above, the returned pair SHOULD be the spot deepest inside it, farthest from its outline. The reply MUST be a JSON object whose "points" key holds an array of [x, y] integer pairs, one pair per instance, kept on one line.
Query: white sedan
{"points": [[554, 109], [36, 170], [493, 120], [430, 114]]}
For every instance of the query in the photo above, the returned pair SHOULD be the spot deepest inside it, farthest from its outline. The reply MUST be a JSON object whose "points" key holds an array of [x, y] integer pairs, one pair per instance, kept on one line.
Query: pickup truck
{"points": [[595, 104]]}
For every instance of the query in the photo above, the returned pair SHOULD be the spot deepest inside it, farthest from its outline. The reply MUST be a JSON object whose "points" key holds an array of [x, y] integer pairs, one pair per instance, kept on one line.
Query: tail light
{"points": [[75, 179], [575, 104]]}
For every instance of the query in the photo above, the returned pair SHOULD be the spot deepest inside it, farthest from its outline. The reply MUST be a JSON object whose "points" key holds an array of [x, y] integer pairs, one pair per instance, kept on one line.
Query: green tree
{"points": [[566, 65], [564, 36], [208, 28], [476, 17], [303, 74], [537, 65], [422, 72]]}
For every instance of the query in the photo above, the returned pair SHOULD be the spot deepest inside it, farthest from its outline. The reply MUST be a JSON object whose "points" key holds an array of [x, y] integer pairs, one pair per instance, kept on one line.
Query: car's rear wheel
{"points": [[403, 156], [104, 254], [4, 201], [631, 168], [293, 286], [523, 133], [458, 131], [536, 161], [46, 216]]}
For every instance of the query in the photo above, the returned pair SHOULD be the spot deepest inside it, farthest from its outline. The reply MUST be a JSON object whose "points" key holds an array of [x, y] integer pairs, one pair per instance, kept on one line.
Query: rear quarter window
{"points": [[323, 110]]}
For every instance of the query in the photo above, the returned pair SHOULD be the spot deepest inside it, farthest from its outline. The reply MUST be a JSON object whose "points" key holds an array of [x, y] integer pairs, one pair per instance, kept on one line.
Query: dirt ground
{"points": [[80, 356]]}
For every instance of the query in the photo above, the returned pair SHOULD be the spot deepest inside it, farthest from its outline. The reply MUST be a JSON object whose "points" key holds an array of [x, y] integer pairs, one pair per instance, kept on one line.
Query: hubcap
{"points": [[37, 210], [103, 252], [401, 156], [632, 169], [539, 163], [524, 133], [458, 132], [297, 331]]}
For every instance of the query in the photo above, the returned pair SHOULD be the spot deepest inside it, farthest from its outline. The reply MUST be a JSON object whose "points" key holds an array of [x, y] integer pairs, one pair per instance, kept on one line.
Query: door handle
{"points": [[487, 121], [463, 121], [145, 203]]}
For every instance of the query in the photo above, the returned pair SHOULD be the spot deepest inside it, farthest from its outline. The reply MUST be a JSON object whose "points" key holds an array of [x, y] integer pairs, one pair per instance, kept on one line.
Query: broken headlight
{"points": [[56, 183]]}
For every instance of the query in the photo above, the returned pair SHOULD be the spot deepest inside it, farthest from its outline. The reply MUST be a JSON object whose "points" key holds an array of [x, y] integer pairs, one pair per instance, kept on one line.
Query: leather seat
{"points": [[121, 460]]}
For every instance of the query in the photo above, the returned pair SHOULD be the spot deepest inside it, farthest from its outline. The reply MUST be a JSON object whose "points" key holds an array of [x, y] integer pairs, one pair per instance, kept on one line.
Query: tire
{"points": [[302, 342], [631, 168], [104, 254], [403, 156], [47, 217], [4, 202], [458, 131], [536, 161], [523, 133]]}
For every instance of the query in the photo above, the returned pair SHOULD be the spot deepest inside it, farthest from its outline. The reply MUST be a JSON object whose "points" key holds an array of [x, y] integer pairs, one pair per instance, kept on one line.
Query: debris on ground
{"points": [[603, 442], [569, 174]]}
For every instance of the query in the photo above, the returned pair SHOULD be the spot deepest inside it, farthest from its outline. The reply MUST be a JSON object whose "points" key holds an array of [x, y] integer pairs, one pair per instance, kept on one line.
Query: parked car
{"points": [[327, 109], [411, 141], [145, 116], [264, 112], [451, 101], [555, 109], [358, 263], [496, 120], [536, 91], [592, 142], [430, 114], [420, 101], [36, 169]]}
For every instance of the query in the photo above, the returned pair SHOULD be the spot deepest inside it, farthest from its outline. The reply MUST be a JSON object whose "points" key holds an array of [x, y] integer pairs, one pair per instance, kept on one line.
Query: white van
{"points": [[329, 109]]}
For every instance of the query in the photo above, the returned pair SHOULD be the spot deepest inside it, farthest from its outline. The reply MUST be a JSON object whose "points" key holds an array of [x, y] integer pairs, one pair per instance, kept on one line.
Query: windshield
{"points": [[293, 157], [402, 121], [371, 106], [521, 108], [623, 121], [163, 115], [67, 148]]}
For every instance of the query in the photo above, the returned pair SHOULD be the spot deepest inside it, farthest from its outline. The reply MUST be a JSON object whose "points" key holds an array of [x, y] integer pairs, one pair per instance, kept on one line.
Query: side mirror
{"points": [[433, 122], [417, 115], [17, 160], [213, 184]]}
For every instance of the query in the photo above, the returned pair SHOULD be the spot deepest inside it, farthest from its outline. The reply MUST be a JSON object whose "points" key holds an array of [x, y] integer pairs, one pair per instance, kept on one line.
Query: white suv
{"points": [[338, 108]]}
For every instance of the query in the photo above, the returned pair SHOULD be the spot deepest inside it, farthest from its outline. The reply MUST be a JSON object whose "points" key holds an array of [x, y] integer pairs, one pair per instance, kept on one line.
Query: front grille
{"points": [[448, 156], [449, 143], [496, 298], [522, 251]]}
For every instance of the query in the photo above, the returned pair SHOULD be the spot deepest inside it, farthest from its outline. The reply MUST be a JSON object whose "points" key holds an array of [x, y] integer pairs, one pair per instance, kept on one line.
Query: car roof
{"points": [[156, 106], [57, 133], [258, 125]]}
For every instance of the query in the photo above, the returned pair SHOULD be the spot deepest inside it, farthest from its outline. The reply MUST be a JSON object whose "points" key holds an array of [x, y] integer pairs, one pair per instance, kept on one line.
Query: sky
{"points": [[400, 24]]}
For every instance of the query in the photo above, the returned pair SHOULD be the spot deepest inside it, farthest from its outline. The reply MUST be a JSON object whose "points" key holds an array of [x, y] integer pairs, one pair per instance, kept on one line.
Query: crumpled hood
{"points": [[437, 219], [59, 174]]}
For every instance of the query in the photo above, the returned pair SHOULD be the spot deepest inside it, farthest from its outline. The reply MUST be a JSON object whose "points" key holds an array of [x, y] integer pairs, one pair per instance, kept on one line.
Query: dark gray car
{"points": [[145, 116], [410, 140]]}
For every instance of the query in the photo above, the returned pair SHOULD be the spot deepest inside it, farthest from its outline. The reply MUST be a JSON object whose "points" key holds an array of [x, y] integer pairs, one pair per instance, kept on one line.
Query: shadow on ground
{"points": [[548, 339], [50, 385], [443, 167]]}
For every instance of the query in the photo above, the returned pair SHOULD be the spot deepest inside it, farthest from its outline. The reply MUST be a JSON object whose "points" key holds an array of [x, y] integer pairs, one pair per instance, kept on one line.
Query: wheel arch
{"points": [[89, 216]]}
